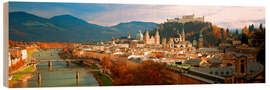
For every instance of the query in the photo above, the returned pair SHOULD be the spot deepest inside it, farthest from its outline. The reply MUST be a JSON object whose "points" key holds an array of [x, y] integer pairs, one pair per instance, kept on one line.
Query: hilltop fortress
{"points": [[187, 18]]}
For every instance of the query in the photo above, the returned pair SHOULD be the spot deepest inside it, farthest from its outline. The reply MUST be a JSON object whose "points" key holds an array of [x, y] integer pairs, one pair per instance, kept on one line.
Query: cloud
{"points": [[224, 16], [111, 14]]}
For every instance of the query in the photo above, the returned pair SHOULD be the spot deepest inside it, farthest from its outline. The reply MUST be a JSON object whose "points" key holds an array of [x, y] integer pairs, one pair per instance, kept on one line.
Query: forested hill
{"points": [[28, 27], [192, 31]]}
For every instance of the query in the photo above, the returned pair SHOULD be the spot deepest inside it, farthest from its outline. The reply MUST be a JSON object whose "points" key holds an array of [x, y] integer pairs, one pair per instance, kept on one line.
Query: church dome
{"points": [[194, 41], [139, 35]]}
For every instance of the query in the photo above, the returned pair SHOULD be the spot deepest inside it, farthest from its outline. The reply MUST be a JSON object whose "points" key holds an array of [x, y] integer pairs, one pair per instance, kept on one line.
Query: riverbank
{"points": [[17, 78], [102, 79]]}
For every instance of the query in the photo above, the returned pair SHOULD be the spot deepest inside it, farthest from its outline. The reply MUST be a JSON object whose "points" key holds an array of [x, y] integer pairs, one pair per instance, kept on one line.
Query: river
{"points": [[58, 78]]}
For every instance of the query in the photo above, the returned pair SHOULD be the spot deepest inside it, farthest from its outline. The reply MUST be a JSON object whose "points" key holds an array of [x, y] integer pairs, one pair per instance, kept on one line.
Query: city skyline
{"points": [[232, 17], [74, 44]]}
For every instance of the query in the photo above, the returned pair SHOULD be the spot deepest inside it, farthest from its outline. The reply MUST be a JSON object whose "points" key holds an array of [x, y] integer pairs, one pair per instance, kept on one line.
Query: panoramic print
{"points": [[90, 44]]}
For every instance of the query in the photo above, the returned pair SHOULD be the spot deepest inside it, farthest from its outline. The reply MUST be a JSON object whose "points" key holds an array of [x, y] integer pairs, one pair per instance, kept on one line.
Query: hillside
{"points": [[64, 28]]}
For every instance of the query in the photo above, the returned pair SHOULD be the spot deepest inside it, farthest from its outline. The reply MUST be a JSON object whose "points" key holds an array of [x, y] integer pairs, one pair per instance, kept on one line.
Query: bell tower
{"points": [[146, 37], [183, 33], [240, 68], [157, 38]]}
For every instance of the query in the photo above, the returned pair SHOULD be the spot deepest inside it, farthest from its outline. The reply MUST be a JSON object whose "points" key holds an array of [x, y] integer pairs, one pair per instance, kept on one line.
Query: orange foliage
{"points": [[52, 45], [245, 31], [216, 31], [148, 73]]}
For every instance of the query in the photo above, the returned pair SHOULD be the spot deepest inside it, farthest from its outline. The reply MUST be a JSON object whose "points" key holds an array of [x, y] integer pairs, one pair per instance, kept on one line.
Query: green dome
{"points": [[139, 35], [201, 36]]}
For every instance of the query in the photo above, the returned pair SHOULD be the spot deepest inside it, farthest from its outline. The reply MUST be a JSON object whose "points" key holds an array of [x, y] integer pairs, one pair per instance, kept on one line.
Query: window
{"points": [[222, 73], [229, 64], [227, 72], [242, 66]]}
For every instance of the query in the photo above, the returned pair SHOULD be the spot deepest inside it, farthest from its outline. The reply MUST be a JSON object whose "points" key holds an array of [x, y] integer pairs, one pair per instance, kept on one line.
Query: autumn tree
{"points": [[148, 73], [245, 31]]}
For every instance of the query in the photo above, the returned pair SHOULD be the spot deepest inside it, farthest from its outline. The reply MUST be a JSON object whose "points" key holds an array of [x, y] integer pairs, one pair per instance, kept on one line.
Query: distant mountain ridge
{"points": [[133, 27], [64, 28]]}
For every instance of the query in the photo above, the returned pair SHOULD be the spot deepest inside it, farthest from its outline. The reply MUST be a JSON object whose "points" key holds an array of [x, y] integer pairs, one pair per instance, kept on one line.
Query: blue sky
{"points": [[112, 14]]}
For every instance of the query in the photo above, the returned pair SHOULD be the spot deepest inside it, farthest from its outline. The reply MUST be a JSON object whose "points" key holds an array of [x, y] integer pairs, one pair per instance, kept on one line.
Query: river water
{"points": [[58, 78]]}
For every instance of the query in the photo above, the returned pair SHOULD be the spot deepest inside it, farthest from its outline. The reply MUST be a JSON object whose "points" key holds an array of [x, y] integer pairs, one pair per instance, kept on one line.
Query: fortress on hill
{"points": [[187, 18]]}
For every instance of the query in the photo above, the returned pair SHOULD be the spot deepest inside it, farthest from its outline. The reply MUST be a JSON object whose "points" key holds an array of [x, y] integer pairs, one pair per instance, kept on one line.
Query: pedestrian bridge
{"points": [[62, 60], [56, 70], [77, 71]]}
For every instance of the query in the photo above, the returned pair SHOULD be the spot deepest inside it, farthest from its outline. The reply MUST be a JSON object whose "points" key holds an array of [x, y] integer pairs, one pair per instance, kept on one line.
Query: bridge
{"points": [[62, 60], [56, 70], [68, 61], [77, 72]]}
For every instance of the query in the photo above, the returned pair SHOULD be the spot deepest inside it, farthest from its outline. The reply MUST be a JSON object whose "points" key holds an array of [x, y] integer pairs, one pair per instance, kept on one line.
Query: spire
{"points": [[128, 36], [146, 35], [201, 36], [157, 33], [177, 32], [183, 30], [183, 34]]}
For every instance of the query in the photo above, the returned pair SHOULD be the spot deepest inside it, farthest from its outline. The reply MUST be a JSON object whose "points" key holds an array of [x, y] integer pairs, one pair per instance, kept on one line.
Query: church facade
{"points": [[152, 40], [178, 42]]}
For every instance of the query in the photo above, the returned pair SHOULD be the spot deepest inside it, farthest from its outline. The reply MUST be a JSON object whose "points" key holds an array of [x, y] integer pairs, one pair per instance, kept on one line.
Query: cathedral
{"points": [[178, 42], [151, 40], [173, 42]]}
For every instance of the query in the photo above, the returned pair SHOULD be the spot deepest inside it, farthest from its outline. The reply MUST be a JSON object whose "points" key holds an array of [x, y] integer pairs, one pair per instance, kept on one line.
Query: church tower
{"points": [[146, 37], [128, 36], [183, 34], [157, 38], [201, 40], [240, 68], [171, 43], [164, 43]]}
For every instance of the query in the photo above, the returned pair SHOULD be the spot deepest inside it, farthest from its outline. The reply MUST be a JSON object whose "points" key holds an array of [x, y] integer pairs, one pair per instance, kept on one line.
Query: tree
{"points": [[148, 73], [261, 27], [245, 31], [244, 39], [236, 32], [251, 27], [227, 32]]}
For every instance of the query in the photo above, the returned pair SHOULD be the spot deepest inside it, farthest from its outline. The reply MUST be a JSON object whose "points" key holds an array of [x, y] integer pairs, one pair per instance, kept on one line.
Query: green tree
{"points": [[236, 32], [251, 27]]}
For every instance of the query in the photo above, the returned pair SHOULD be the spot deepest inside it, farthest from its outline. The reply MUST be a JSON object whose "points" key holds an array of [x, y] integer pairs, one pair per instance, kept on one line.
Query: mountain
{"points": [[133, 27], [82, 28], [64, 28], [28, 27]]}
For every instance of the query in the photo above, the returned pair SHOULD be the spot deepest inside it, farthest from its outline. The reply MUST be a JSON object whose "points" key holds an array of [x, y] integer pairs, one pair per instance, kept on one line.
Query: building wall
{"points": [[24, 54], [188, 18]]}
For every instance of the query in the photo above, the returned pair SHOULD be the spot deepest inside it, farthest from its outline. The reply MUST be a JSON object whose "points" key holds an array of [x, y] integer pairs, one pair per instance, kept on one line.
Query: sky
{"points": [[233, 17]]}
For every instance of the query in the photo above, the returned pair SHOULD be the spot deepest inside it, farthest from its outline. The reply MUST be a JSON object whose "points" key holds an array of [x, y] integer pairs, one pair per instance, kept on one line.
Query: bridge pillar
{"points": [[77, 78], [50, 65], [39, 79], [68, 63]]}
